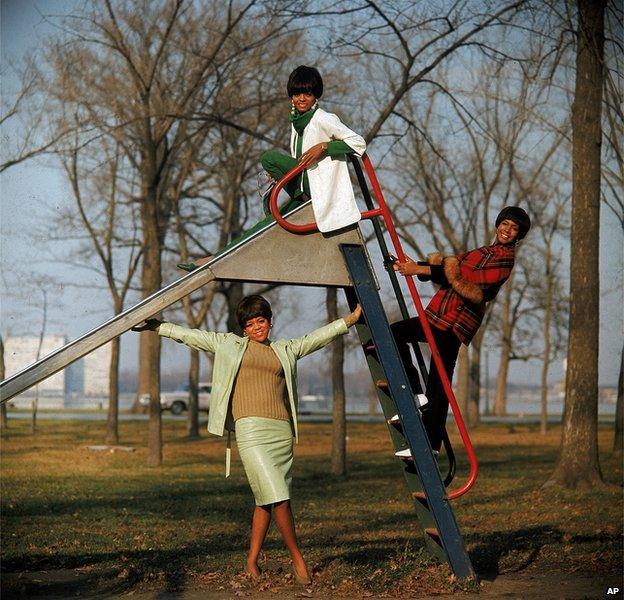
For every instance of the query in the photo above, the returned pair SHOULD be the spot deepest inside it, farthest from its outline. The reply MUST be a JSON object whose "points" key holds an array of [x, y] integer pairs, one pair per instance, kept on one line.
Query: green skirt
{"points": [[266, 449]]}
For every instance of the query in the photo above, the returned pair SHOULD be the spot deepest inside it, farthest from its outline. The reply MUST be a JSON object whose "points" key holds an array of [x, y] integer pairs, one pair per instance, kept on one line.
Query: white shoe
{"points": [[395, 420], [404, 454], [407, 454], [422, 400]]}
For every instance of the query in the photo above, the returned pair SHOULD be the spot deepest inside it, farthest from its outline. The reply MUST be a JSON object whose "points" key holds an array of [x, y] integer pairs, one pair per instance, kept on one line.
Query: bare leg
{"points": [[259, 526], [286, 524]]}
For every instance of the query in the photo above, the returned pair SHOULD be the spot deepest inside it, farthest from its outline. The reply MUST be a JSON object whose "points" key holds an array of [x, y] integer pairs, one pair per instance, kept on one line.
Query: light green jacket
{"points": [[229, 348]]}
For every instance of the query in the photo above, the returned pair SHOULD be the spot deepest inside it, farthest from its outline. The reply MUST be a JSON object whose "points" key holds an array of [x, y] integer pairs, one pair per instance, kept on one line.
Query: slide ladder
{"points": [[422, 475]]}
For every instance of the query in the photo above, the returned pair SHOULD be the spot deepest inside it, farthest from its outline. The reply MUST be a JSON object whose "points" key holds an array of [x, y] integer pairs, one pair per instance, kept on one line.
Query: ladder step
{"points": [[420, 496], [369, 348], [405, 455], [395, 422], [434, 534]]}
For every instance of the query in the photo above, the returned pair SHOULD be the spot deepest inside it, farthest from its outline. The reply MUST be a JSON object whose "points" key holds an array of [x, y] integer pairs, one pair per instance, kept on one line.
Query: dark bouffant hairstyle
{"points": [[251, 307], [518, 216], [305, 80]]}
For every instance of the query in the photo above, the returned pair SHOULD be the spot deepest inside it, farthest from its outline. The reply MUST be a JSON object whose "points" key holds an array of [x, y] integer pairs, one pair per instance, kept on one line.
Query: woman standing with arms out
{"points": [[320, 141], [254, 392], [468, 281]]}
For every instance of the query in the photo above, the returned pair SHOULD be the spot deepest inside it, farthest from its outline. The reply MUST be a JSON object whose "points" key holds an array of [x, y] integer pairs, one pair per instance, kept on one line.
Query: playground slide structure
{"points": [[290, 250]]}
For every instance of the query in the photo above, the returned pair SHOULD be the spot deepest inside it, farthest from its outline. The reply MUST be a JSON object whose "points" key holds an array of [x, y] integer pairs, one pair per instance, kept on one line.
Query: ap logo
{"points": [[613, 591]]}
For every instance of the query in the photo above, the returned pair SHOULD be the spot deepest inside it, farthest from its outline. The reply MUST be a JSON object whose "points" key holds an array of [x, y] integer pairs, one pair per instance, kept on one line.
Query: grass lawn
{"points": [[118, 526]]}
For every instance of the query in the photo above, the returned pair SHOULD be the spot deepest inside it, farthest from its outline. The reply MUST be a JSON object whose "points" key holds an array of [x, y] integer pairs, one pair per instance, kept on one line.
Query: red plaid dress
{"points": [[488, 267]]}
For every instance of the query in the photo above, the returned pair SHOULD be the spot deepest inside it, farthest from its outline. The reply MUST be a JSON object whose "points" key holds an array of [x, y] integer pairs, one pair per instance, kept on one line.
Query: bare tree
{"points": [[618, 438], [4, 421], [42, 329], [550, 298], [143, 82], [613, 106], [106, 212], [405, 43], [339, 417], [577, 463], [449, 190], [24, 118], [613, 160]]}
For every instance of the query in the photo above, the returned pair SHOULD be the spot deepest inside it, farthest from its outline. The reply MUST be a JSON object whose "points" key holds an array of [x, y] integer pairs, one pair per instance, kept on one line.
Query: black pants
{"points": [[434, 414]]}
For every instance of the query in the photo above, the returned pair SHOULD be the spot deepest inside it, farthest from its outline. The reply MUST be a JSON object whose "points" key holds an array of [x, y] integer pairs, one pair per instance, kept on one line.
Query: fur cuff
{"points": [[466, 289], [435, 259]]}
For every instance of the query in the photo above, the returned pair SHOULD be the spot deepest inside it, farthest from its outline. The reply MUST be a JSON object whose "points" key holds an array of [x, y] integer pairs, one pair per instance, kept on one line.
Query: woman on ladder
{"points": [[468, 281]]}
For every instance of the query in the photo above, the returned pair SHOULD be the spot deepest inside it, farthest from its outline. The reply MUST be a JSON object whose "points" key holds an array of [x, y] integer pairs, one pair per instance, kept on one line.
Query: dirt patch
{"points": [[61, 584]]}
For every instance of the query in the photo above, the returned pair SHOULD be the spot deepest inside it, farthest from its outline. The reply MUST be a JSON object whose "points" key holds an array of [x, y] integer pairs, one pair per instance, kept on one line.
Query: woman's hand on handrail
{"points": [[409, 267], [313, 154], [353, 317], [148, 325]]}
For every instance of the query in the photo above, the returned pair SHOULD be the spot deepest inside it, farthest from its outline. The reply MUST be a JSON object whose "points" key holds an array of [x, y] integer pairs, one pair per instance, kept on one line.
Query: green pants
{"points": [[276, 164]]}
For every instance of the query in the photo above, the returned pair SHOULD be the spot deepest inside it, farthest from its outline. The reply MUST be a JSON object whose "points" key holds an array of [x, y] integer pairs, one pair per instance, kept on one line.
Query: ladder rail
{"points": [[398, 293], [384, 212], [421, 471]]}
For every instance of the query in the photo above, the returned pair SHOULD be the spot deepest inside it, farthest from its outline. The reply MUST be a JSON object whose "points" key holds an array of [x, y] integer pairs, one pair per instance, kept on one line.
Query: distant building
{"points": [[85, 378], [21, 351], [96, 366]]}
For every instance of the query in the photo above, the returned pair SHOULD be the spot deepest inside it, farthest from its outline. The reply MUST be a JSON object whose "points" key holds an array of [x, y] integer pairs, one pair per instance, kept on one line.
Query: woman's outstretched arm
{"points": [[317, 339], [194, 338]]}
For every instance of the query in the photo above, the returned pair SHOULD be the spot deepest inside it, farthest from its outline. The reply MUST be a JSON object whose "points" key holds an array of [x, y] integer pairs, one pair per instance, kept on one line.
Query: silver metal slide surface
{"points": [[270, 255]]}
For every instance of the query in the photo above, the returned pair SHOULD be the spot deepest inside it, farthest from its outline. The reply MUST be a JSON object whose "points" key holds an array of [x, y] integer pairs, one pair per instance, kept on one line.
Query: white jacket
{"points": [[333, 201]]}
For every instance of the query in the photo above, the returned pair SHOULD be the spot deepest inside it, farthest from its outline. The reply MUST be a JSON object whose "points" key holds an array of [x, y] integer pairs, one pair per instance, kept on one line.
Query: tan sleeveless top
{"points": [[260, 386]]}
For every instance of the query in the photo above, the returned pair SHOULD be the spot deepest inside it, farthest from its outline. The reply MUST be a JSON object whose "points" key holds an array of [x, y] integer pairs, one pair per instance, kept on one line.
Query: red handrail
{"points": [[307, 227], [384, 212]]}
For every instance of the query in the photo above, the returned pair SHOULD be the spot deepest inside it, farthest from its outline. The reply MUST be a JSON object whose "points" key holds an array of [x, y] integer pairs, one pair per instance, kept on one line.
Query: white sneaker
{"points": [[422, 400], [407, 454], [395, 420], [404, 454]]}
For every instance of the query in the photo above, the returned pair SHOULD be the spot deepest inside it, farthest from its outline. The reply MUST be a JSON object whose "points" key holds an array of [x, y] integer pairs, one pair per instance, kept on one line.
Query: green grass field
{"points": [[120, 526]]}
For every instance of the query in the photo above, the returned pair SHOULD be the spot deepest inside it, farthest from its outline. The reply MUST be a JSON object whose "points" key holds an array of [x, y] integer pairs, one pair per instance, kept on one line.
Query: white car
{"points": [[177, 402]]}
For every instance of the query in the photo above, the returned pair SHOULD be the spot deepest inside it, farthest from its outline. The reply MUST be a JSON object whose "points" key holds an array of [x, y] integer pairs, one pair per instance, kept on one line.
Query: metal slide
{"points": [[271, 254]]}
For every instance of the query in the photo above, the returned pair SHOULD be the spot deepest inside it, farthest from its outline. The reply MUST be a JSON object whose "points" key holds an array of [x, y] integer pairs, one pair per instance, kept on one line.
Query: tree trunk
{"points": [[112, 421], [339, 418], [547, 345], [500, 402], [463, 385], [4, 421], [151, 280], [618, 440], [34, 406], [372, 400], [577, 463], [192, 419], [235, 294], [44, 320], [474, 378]]}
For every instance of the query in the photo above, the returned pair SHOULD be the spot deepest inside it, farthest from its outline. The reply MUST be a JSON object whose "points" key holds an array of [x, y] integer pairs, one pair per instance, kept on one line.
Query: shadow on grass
{"points": [[66, 575], [491, 548], [166, 500]]}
